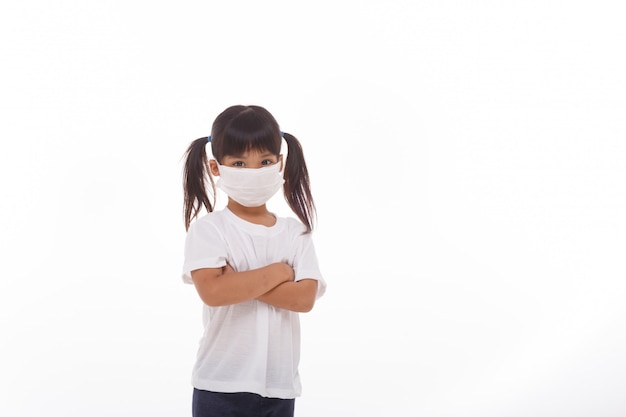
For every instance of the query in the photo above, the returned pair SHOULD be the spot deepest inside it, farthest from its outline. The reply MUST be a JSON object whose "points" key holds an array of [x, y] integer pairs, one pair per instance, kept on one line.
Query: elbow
{"points": [[305, 305], [297, 304], [305, 309], [209, 300], [214, 300], [306, 301], [211, 297]]}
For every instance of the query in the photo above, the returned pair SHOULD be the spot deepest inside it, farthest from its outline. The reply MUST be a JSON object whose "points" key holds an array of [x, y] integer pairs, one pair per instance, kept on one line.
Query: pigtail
{"points": [[194, 181], [297, 188]]}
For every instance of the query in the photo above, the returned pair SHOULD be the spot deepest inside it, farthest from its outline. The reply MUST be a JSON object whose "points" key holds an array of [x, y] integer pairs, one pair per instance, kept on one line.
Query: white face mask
{"points": [[250, 187]]}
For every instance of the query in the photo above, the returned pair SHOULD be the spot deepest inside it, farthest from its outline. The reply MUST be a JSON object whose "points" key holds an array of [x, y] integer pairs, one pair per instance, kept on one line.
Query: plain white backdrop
{"points": [[468, 163]]}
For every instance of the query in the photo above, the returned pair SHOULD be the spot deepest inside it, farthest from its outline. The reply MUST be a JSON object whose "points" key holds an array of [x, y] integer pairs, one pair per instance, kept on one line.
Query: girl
{"points": [[254, 271]]}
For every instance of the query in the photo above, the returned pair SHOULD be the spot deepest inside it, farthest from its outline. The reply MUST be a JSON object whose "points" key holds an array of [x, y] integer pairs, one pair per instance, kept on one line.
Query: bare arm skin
{"points": [[224, 286], [295, 296]]}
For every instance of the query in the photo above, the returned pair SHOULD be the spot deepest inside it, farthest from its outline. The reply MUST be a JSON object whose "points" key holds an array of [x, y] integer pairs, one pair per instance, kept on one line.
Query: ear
{"points": [[280, 159], [215, 171]]}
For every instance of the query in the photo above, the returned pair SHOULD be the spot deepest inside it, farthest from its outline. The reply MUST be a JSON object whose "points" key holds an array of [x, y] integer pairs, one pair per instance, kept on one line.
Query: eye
{"points": [[267, 162], [238, 164]]}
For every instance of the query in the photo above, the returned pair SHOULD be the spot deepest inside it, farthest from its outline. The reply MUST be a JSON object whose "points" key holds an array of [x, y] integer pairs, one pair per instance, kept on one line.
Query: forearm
{"points": [[230, 287], [295, 296]]}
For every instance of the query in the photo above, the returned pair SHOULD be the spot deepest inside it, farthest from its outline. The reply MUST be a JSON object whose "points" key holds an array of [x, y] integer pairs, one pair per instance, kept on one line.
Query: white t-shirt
{"points": [[250, 346]]}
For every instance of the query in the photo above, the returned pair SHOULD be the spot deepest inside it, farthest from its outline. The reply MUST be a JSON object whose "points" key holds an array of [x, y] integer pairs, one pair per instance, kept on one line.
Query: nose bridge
{"points": [[254, 158]]}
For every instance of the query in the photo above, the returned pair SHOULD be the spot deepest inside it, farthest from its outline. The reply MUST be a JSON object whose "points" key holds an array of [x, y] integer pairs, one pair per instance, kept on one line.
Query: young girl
{"points": [[254, 271]]}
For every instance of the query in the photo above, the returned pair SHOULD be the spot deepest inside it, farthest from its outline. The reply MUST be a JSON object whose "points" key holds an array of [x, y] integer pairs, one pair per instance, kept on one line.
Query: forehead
{"points": [[252, 154]]}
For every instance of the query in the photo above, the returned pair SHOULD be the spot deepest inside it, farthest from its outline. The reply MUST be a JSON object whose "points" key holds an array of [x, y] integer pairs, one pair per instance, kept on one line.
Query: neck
{"points": [[256, 215]]}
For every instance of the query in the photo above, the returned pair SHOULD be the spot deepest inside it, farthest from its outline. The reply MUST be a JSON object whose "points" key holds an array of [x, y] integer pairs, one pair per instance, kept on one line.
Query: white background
{"points": [[467, 159]]}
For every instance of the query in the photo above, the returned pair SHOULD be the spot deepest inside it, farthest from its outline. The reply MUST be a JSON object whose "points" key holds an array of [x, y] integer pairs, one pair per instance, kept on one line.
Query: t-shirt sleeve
{"points": [[204, 248], [305, 263]]}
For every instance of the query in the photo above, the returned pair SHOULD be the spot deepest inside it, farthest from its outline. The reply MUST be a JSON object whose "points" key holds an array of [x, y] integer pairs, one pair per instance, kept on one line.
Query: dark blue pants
{"points": [[239, 404]]}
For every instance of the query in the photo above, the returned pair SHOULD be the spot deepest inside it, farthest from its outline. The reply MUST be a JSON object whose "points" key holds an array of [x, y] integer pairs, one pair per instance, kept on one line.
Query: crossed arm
{"points": [[273, 284]]}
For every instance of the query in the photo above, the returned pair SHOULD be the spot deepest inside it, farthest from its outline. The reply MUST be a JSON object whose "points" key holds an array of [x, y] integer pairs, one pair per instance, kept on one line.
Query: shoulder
{"points": [[292, 224], [210, 221], [294, 229]]}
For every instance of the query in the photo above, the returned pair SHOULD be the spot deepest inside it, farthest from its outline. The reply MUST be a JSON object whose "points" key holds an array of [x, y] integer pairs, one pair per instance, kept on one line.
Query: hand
{"points": [[284, 271]]}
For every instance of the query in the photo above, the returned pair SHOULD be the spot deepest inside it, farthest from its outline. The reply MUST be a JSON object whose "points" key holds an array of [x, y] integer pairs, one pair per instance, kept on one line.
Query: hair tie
{"points": [[208, 139], [282, 134]]}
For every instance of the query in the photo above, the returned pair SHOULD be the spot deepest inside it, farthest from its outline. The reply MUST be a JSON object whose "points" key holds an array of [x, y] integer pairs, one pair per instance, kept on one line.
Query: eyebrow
{"points": [[263, 155]]}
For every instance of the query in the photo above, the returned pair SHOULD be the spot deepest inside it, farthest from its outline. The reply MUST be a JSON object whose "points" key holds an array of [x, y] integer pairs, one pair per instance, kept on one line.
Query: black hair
{"points": [[235, 131]]}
